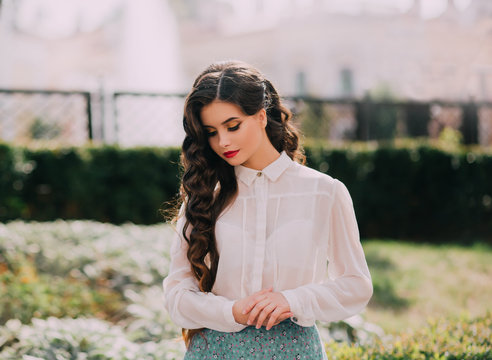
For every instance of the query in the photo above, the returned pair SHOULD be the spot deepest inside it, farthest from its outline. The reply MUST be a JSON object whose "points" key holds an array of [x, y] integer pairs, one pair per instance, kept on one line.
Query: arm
{"points": [[348, 287], [188, 307]]}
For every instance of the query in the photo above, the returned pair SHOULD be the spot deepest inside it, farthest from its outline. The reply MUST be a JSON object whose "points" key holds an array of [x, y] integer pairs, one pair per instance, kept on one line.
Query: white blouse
{"points": [[291, 228]]}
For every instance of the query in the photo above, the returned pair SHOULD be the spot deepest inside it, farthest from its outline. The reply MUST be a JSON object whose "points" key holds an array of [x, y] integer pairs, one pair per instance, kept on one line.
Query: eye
{"points": [[211, 133], [233, 128]]}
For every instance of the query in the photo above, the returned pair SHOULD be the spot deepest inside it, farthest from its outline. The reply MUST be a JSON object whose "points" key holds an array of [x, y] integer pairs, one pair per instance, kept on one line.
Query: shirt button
{"points": [[258, 173]]}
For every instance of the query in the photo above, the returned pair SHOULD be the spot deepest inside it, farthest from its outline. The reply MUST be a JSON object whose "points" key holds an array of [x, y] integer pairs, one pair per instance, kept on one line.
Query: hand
{"points": [[238, 309], [269, 306]]}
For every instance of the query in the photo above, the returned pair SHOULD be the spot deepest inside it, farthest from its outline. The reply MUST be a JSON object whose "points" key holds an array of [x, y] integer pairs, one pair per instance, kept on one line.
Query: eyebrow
{"points": [[224, 122]]}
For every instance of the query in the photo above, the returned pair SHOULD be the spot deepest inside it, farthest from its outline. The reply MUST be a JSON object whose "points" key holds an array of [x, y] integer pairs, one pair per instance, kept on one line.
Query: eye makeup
{"points": [[230, 128]]}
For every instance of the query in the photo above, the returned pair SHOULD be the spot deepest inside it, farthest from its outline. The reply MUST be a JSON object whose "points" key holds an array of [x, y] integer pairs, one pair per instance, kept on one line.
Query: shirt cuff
{"points": [[229, 317], [295, 305]]}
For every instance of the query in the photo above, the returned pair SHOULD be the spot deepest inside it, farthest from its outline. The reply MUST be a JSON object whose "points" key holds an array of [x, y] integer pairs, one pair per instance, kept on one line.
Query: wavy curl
{"points": [[208, 182]]}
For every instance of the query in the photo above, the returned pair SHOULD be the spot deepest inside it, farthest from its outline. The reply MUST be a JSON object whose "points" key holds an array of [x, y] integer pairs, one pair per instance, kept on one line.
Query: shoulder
{"points": [[313, 178]]}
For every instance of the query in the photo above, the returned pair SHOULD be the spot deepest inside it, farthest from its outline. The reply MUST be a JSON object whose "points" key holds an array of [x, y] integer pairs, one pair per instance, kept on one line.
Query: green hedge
{"points": [[101, 183], [415, 191], [420, 192]]}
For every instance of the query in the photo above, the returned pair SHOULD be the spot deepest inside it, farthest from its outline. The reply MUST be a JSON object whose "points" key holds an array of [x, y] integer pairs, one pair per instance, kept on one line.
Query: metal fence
{"points": [[342, 119], [148, 119], [35, 116]]}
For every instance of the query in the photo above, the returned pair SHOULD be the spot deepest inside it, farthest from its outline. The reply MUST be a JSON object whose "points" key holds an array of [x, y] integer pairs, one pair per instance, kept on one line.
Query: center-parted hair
{"points": [[208, 182]]}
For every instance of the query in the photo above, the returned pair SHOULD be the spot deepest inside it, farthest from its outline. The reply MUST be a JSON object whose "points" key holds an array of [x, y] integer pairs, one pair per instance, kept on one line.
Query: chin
{"points": [[234, 161]]}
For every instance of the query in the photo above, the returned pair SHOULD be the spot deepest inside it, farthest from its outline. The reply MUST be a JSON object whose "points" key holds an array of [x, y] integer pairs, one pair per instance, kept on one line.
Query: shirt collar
{"points": [[272, 171]]}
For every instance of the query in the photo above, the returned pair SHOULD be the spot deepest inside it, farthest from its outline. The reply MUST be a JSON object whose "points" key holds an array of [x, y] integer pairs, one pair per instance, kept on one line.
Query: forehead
{"points": [[215, 113]]}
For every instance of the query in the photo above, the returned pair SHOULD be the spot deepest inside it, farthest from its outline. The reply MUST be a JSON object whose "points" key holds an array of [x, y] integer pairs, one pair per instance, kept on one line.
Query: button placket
{"points": [[259, 253]]}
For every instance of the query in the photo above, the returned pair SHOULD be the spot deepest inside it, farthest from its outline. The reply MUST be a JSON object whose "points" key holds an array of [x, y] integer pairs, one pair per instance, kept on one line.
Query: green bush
{"points": [[100, 183], [414, 191], [441, 340], [13, 170], [25, 293], [77, 267], [81, 338]]}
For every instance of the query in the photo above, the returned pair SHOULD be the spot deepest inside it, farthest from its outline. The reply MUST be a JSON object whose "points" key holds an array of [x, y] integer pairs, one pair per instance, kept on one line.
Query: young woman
{"points": [[248, 275]]}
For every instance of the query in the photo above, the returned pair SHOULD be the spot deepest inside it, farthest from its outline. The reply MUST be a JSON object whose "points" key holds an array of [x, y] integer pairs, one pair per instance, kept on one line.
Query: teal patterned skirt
{"points": [[286, 340]]}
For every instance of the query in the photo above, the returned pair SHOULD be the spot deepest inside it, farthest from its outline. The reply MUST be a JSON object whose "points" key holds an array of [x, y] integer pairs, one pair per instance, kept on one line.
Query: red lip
{"points": [[230, 154]]}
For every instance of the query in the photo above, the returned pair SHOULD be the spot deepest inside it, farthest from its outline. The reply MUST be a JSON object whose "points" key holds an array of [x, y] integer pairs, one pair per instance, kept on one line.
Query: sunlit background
{"points": [[432, 50]]}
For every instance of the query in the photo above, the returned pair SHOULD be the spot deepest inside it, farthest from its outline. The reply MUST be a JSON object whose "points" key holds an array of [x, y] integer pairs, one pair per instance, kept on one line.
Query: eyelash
{"points": [[232, 128]]}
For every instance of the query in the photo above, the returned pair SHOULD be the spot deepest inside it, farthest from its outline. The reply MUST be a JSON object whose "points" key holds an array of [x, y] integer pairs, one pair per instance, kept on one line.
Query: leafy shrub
{"points": [[88, 250], [81, 338], [24, 293], [76, 267], [441, 340]]}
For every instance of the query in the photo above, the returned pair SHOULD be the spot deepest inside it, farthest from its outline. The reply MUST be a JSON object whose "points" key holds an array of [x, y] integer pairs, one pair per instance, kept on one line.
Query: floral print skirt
{"points": [[286, 340]]}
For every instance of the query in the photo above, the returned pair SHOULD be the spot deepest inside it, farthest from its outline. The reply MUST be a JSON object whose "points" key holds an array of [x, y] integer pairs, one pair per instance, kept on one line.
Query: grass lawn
{"points": [[415, 282]]}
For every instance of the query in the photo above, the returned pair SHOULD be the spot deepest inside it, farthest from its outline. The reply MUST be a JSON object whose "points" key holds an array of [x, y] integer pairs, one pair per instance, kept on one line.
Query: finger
{"points": [[274, 316], [254, 300], [256, 310], [264, 313], [283, 317]]}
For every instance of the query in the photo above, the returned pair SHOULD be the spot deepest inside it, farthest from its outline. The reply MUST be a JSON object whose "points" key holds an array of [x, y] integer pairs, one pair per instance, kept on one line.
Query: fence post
{"points": [[362, 110], [115, 117], [88, 109], [469, 125], [418, 117]]}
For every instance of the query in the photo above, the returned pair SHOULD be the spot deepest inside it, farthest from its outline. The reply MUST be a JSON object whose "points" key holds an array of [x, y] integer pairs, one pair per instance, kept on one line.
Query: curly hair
{"points": [[208, 182]]}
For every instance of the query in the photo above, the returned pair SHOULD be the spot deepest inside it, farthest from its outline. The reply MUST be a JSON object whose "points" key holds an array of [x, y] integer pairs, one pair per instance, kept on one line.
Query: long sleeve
{"points": [[347, 287], [188, 307]]}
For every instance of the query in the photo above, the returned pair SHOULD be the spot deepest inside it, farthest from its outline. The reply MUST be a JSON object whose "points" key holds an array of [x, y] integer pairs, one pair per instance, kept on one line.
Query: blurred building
{"points": [[312, 47], [317, 48], [120, 44]]}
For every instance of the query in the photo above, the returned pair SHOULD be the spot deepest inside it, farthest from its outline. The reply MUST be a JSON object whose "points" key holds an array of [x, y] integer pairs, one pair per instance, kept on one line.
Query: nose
{"points": [[224, 140]]}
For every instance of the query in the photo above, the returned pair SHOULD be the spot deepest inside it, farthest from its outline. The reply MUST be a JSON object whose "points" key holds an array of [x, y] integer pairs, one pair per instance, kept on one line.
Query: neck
{"points": [[263, 157]]}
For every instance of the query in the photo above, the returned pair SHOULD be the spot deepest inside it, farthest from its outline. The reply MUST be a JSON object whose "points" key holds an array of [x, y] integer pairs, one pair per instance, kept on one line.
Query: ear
{"points": [[262, 117]]}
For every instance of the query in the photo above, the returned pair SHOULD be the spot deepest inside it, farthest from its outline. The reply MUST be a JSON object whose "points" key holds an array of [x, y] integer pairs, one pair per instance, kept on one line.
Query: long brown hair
{"points": [[208, 182]]}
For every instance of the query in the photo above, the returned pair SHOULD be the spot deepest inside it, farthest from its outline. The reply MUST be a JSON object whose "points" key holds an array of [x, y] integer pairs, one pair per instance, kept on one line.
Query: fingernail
{"points": [[244, 311], [249, 322]]}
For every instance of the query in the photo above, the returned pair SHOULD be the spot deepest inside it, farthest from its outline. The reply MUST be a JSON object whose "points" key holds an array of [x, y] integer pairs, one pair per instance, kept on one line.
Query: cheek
{"points": [[214, 143], [247, 134], [252, 133]]}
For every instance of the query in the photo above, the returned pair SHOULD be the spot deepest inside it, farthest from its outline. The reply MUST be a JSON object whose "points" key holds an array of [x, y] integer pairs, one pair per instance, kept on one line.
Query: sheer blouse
{"points": [[291, 228]]}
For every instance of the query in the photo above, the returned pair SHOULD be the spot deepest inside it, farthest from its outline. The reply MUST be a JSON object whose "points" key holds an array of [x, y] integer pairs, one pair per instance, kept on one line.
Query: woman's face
{"points": [[236, 137]]}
